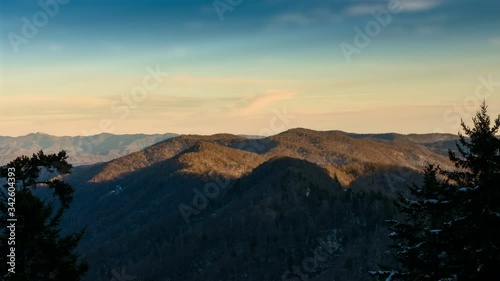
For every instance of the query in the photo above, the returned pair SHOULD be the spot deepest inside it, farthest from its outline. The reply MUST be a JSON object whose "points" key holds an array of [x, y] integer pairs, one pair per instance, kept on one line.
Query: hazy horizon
{"points": [[230, 133]]}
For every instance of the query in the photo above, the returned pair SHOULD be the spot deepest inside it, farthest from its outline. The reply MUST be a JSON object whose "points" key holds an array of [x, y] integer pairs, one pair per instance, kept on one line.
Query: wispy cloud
{"points": [[262, 101], [180, 51], [185, 78], [406, 6], [363, 9], [419, 5], [292, 18], [54, 47], [38, 108], [56, 102], [494, 41]]}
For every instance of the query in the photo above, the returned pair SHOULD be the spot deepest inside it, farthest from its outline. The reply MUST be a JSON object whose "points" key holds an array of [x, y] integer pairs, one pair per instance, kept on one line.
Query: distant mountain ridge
{"points": [[86, 150], [343, 154], [83, 150]]}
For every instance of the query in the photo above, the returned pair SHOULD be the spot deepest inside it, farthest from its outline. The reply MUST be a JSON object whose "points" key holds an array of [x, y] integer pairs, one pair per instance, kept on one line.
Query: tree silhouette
{"points": [[450, 228], [41, 251]]}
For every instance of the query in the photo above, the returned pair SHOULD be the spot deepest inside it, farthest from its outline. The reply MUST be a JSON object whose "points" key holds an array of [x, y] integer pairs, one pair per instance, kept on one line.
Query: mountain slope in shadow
{"points": [[275, 198]]}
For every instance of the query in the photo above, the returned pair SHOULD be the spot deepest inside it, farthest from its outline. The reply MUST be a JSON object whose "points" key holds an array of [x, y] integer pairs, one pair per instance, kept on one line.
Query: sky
{"points": [[83, 67]]}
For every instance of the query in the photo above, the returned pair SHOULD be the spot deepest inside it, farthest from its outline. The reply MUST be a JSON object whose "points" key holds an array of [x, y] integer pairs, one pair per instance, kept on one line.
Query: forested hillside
{"points": [[232, 208]]}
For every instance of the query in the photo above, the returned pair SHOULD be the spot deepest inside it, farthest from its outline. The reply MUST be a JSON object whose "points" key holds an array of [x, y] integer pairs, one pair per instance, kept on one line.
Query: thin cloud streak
{"points": [[263, 101], [406, 6]]}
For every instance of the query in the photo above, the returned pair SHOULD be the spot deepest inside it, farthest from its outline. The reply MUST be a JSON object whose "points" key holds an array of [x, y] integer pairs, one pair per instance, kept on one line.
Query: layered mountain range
{"points": [[345, 155], [83, 150], [227, 207]]}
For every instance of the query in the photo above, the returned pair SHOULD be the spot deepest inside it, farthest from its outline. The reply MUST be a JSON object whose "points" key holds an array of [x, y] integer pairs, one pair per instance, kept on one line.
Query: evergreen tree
{"points": [[450, 226], [41, 251]]}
